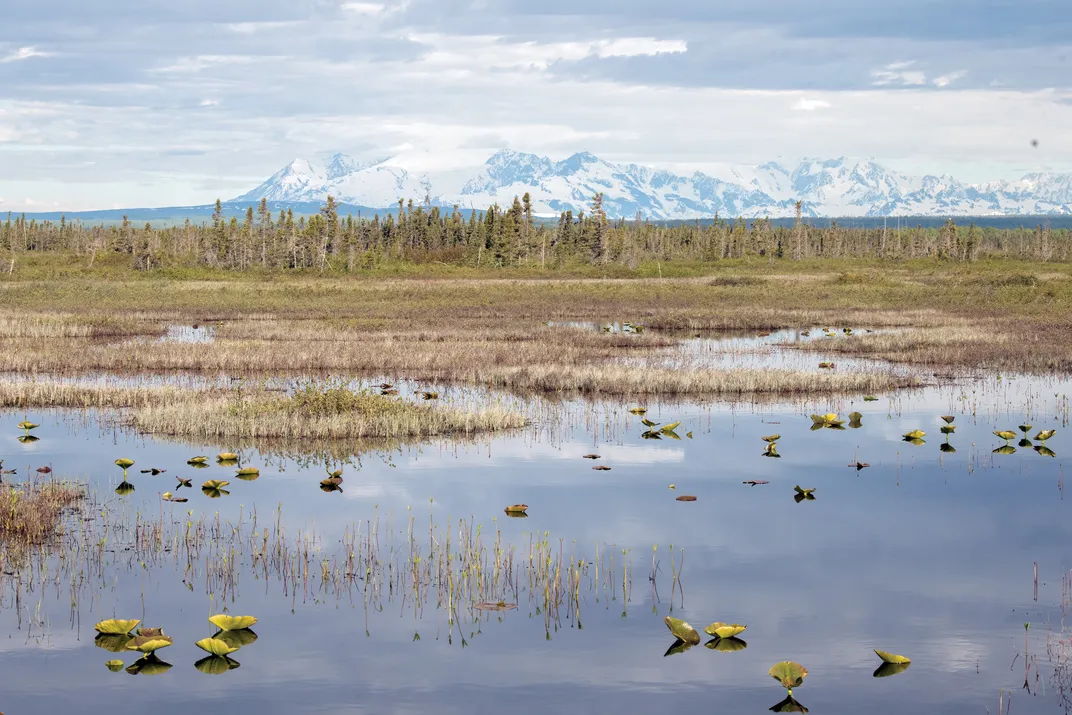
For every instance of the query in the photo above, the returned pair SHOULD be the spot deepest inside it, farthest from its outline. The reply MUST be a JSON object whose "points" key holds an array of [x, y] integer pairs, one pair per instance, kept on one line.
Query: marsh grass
{"points": [[317, 412], [45, 393], [32, 513]]}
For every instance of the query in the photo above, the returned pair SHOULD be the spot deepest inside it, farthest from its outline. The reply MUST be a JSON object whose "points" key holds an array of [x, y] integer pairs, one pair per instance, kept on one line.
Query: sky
{"points": [[126, 103]]}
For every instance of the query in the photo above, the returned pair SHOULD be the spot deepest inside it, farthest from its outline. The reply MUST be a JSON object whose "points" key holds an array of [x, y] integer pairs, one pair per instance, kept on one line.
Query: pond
{"points": [[927, 553]]}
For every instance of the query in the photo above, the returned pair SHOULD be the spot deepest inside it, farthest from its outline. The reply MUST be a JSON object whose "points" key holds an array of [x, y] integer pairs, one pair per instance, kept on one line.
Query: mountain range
{"points": [[833, 187]]}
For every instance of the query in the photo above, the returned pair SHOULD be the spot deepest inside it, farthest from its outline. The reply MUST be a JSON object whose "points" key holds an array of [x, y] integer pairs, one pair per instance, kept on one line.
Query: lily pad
{"points": [[215, 646], [214, 484], [724, 630], [114, 665], [116, 626], [237, 638], [678, 646], [686, 497], [946, 447], [682, 630], [226, 457], [916, 442], [914, 434], [726, 645], [216, 665], [670, 427], [788, 673], [516, 509], [885, 670], [948, 429], [638, 410], [495, 606], [1005, 434], [124, 463], [1005, 449], [771, 438], [26, 425], [232, 623], [1045, 434], [1045, 451], [801, 490], [28, 438], [150, 632], [948, 419], [870, 398], [201, 459], [149, 644], [891, 657], [248, 472], [601, 468]]}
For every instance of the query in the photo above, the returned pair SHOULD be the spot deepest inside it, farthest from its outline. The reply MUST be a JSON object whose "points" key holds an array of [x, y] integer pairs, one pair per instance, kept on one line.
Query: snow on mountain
{"points": [[831, 187]]}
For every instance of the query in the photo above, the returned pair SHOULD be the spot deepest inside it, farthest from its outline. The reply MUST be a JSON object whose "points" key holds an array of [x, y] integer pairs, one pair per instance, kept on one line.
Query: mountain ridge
{"points": [[841, 187]]}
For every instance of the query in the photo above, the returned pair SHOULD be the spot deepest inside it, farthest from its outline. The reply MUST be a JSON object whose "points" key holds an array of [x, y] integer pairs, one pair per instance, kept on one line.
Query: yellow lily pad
{"points": [[682, 630], [215, 646], [116, 626], [724, 630], [891, 658], [232, 623]]}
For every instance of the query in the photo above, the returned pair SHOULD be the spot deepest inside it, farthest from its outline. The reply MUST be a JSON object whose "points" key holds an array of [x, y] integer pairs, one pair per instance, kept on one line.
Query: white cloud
{"points": [[209, 103], [639, 46], [364, 8], [24, 53], [810, 105], [948, 79]]}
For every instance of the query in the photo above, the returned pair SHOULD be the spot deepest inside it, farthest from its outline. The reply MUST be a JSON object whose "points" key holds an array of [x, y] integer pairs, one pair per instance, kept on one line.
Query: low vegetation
{"points": [[33, 513]]}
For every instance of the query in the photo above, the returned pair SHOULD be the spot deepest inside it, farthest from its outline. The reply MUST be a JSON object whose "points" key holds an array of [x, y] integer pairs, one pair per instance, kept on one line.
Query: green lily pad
{"points": [[201, 459], [248, 472], [232, 623], [801, 490], [682, 630], [724, 630], [27, 425], [237, 638], [28, 438], [948, 429], [216, 665], [114, 665], [214, 484], [891, 658], [1005, 449], [788, 673], [124, 463], [226, 457], [870, 398], [678, 646], [148, 644], [116, 626], [215, 646], [1045, 451]]}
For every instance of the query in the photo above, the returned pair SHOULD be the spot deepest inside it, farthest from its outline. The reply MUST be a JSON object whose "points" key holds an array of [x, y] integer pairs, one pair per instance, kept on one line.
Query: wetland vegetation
{"points": [[410, 458]]}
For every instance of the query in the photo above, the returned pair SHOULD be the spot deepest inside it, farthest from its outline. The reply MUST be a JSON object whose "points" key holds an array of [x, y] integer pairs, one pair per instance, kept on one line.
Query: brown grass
{"points": [[34, 393], [318, 413], [32, 513]]}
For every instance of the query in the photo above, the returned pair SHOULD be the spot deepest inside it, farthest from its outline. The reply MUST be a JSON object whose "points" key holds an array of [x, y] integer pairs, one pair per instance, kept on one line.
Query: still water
{"points": [[925, 553]]}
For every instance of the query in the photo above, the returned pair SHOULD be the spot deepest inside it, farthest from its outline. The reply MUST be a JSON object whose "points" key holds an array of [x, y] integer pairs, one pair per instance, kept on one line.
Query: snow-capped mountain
{"points": [[835, 187]]}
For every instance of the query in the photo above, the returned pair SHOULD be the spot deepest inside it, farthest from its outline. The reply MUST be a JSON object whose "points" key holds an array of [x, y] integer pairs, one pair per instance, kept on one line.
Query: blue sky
{"points": [[118, 103]]}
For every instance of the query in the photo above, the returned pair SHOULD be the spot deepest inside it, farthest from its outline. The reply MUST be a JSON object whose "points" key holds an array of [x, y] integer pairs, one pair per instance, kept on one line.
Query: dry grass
{"points": [[317, 413], [33, 393], [33, 513]]}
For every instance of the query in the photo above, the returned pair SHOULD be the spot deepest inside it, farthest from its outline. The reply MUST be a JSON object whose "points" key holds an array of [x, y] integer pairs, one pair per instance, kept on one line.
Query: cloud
{"points": [[810, 105], [23, 53], [948, 79]]}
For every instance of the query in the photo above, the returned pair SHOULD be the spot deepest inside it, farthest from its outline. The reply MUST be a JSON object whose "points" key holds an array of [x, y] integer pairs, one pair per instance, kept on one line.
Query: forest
{"points": [[505, 237]]}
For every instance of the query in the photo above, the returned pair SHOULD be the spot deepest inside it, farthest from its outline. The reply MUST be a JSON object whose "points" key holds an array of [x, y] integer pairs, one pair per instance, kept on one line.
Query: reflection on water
{"points": [[408, 589]]}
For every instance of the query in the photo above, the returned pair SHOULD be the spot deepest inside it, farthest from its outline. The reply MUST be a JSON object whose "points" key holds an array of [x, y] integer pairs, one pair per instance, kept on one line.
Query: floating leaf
{"points": [[670, 427], [216, 665], [726, 645], [1005, 434], [648, 423], [601, 468], [495, 606], [724, 630], [215, 646], [914, 434], [28, 438], [237, 638], [1006, 449], [1045, 451], [1045, 434], [215, 493], [800, 490], [150, 631], [149, 665], [771, 438], [329, 488], [788, 673], [116, 626], [638, 410], [430, 395], [651, 434], [891, 657], [859, 465], [248, 472], [686, 497], [1025, 428], [27, 425], [197, 460], [226, 457], [517, 509], [329, 482], [682, 630], [885, 670], [870, 398], [1024, 443], [591, 456], [948, 429], [214, 484], [916, 442], [149, 644], [232, 623], [124, 463], [803, 497], [755, 482], [947, 448], [948, 419], [789, 705], [114, 665], [855, 416]]}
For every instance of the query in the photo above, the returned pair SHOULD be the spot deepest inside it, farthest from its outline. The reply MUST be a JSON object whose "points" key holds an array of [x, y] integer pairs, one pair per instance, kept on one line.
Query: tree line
{"points": [[505, 237]]}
